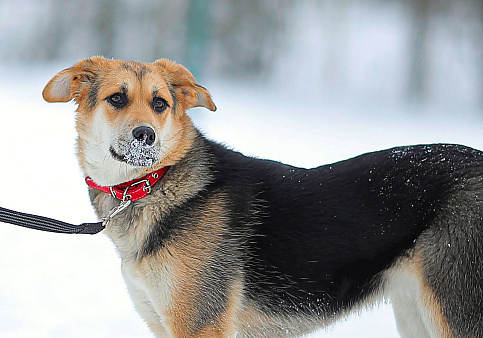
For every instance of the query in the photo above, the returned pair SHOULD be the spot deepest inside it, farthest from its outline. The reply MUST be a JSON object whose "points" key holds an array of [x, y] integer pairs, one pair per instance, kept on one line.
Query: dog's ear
{"points": [[188, 93], [73, 82]]}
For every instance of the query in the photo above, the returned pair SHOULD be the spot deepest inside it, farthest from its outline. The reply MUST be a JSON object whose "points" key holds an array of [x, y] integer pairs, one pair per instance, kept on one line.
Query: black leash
{"points": [[48, 224], [53, 225]]}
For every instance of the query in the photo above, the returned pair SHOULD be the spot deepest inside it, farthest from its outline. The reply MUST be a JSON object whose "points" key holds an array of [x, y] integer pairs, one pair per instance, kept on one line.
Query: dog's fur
{"points": [[226, 245]]}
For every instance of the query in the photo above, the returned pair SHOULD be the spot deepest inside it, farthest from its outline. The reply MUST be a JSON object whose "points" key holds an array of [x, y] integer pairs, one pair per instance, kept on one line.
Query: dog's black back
{"points": [[351, 219]]}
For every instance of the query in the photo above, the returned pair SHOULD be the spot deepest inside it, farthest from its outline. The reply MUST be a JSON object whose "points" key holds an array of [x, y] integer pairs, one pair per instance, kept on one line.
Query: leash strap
{"points": [[48, 224], [126, 192]]}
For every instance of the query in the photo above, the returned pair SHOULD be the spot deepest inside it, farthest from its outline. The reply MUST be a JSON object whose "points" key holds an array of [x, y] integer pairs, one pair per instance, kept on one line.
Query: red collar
{"points": [[133, 190]]}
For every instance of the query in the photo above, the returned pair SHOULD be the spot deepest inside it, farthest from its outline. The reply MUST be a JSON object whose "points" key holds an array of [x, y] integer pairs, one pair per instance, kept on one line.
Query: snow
{"points": [[55, 285], [138, 152]]}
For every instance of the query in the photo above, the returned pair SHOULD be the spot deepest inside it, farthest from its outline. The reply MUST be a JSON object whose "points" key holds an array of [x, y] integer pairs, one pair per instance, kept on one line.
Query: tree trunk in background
{"points": [[198, 31], [46, 44], [479, 46], [105, 27], [418, 49]]}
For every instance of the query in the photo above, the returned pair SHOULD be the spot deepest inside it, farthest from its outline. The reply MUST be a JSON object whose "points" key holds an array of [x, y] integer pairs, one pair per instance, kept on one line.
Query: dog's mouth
{"points": [[136, 153]]}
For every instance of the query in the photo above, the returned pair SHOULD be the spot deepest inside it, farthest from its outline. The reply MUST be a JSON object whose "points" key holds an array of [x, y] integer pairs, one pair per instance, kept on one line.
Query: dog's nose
{"points": [[145, 134]]}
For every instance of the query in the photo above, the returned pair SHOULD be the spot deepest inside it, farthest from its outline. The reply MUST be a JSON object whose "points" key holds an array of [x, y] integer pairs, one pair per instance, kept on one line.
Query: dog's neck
{"points": [[181, 182]]}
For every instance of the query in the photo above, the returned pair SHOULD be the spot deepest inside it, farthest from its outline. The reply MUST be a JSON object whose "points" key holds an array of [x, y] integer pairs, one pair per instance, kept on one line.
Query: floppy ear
{"points": [[188, 93], [71, 82]]}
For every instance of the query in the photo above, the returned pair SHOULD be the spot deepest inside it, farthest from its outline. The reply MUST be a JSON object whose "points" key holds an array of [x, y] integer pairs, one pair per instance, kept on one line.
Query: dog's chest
{"points": [[130, 229], [134, 275]]}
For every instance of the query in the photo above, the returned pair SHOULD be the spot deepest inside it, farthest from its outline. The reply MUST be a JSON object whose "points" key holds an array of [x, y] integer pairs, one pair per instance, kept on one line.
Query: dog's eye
{"points": [[117, 100], [159, 104]]}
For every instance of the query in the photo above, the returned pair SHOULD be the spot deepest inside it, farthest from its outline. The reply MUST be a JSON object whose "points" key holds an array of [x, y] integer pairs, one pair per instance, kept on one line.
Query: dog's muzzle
{"points": [[140, 150]]}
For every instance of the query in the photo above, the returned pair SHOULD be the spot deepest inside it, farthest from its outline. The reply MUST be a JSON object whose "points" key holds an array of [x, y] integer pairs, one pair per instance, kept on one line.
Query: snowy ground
{"points": [[55, 285]]}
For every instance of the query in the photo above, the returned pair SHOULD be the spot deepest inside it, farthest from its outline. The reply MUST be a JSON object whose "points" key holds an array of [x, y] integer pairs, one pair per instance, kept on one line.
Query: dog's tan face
{"points": [[131, 117]]}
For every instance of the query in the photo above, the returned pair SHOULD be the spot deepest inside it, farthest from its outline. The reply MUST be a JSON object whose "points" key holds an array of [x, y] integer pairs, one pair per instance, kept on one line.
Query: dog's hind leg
{"points": [[451, 257], [408, 319], [417, 314], [437, 291]]}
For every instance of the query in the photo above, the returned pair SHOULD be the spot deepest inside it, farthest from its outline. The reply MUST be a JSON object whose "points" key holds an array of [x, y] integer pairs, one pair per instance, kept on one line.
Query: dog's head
{"points": [[131, 116]]}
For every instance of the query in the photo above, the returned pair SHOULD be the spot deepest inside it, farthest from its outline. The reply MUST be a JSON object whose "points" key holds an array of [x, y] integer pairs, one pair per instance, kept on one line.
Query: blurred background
{"points": [[303, 82], [418, 51]]}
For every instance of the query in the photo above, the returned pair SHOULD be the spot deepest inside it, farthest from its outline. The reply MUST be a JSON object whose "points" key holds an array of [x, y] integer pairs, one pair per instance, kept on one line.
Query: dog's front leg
{"points": [[205, 313], [178, 300], [144, 305]]}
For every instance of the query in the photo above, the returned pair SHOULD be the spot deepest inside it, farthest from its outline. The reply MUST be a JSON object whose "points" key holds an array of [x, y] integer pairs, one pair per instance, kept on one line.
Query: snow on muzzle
{"points": [[139, 151]]}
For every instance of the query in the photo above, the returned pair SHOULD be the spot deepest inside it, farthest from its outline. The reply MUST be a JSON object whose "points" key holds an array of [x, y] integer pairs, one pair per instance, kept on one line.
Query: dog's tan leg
{"points": [[207, 286], [193, 319], [158, 330], [147, 303], [146, 310]]}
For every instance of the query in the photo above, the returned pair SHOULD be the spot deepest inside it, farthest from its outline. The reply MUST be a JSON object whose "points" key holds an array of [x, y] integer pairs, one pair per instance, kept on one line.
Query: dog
{"points": [[224, 245]]}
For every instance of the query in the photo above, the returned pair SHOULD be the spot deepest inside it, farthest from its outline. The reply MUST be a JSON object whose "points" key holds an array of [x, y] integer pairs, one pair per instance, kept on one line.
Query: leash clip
{"points": [[126, 201]]}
